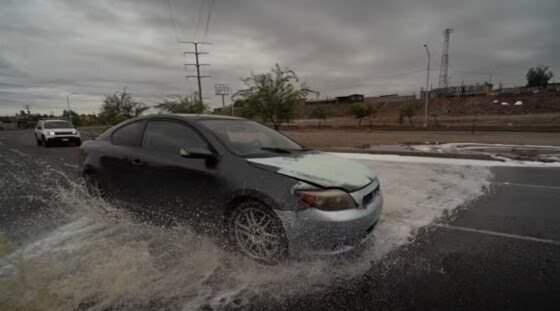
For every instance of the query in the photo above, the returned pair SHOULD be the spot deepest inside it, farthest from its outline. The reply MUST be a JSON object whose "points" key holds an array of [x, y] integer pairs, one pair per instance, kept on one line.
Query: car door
{"points": [[172, 184], [118, 167]]}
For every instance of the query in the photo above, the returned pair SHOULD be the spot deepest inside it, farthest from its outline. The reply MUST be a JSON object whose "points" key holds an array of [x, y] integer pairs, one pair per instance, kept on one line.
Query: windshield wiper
{"points": [[283, 150]]}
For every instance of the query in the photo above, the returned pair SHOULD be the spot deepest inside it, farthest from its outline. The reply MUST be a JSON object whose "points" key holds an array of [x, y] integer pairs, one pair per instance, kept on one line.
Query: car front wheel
{"points": [[258, 233], [45, 142]]}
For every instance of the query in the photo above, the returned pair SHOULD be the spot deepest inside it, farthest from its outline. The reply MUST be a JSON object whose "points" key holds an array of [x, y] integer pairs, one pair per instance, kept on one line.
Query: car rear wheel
{"points": [[38, 141], [258, 233], [94, 186]]}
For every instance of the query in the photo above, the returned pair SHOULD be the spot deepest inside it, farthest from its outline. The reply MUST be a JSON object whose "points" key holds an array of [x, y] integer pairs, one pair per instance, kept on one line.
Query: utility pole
{"points": [[427, 93], [197, 64], [68, 103]]}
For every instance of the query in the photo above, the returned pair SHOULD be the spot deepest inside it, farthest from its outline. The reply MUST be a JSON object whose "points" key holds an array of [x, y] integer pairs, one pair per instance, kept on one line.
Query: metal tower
{"points": [[444, 59]]}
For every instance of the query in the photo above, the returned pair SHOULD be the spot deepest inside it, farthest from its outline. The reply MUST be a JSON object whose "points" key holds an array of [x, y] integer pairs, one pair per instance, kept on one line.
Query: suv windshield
{"points": [[58, 125], [248, 138]]}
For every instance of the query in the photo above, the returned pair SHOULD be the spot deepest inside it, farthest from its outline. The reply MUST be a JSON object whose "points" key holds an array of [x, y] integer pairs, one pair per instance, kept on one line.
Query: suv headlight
{"points": [[51, 133], [326, 200], [74, 132]]}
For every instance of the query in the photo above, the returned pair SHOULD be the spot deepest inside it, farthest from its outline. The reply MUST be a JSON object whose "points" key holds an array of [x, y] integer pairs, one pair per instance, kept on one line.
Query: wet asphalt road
{"points": [[500, 252]]}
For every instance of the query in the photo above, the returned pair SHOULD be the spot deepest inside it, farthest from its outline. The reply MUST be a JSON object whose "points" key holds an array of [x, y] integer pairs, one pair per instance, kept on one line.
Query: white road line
{"points": [[524, 185], [506, 235]]}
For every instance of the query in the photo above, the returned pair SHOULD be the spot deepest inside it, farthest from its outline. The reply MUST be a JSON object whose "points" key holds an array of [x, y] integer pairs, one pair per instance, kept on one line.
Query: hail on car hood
{"points": [[321, 169]]}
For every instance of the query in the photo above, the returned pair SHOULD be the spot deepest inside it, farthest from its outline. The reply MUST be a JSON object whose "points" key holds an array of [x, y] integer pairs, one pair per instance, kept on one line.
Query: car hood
{"points": [[321, 169]]}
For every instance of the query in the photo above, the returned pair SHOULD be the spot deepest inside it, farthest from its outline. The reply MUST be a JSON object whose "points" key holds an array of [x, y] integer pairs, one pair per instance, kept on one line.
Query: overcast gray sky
{"points": [[50, 48]]}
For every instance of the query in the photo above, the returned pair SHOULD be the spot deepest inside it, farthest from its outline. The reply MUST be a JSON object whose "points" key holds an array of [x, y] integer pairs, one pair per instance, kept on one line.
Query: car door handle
{"points": [[137, 162]]}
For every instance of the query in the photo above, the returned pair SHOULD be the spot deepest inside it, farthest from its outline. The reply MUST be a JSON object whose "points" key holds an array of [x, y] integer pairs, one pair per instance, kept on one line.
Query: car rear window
{"points": [[128, 135], [170, 137]]}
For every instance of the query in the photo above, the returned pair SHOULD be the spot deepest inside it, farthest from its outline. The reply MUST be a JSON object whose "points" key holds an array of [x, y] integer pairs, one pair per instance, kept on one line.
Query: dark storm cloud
{"points": [[89, 48]]}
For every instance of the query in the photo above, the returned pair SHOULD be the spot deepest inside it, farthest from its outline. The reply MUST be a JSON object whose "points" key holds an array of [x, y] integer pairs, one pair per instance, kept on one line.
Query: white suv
{"points": [[50, 131]]}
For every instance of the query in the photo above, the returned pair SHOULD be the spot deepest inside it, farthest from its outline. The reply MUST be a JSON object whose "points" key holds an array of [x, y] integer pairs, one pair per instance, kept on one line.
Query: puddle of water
{"points": [[98, 257]]}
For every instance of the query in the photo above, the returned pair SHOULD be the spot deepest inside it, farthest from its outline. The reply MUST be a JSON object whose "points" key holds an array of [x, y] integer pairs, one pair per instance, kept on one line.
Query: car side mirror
{"points": [[196, 153]]}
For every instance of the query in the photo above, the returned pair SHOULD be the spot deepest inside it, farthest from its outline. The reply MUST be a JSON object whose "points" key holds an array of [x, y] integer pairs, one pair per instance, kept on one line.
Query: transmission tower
{"points": [[444, 60]]}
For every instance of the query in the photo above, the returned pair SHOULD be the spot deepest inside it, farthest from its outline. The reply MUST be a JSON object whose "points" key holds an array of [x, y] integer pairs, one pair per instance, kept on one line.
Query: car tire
{"points": [[257, 232], [45, 142], [95, 186], [78, 142], [39, 143]]}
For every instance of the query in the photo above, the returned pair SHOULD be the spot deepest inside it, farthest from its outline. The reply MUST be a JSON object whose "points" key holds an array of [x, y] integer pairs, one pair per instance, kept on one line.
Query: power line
{"points": [[173, 21], [199, 18], [208, 17]]}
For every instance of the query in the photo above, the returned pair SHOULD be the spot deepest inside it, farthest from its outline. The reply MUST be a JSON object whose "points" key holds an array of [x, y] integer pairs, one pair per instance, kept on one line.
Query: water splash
{"points": [[96, 256]]}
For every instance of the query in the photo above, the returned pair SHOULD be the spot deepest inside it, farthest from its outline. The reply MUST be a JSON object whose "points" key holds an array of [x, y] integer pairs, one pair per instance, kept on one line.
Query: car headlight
{"points": [[326, 200], [74, 132], [51, 133]]}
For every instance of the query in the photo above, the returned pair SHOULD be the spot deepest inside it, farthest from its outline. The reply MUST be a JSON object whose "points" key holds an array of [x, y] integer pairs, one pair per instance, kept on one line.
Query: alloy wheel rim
{"points": [[256, 234]]}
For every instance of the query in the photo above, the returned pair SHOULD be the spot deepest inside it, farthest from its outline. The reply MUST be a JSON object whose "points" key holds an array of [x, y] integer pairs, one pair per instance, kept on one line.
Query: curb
{"points": [[467, 156]]}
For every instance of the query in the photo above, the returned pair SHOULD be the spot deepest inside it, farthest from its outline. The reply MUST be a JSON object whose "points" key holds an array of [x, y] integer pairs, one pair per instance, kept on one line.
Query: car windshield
{"points": [[248, 138], [58, 125]]}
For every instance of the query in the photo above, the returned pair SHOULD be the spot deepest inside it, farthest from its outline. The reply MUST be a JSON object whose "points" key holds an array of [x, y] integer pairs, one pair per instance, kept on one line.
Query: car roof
{"points": [[192, 117]]}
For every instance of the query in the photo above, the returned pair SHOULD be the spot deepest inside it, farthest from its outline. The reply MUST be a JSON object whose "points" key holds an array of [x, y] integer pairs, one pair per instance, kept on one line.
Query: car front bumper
{"points": [[317, 233], [63, 138]]}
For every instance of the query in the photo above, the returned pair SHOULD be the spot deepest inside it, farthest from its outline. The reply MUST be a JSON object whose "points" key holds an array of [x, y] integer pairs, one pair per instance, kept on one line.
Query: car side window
{"points": [[170, 137], [129, 135]]}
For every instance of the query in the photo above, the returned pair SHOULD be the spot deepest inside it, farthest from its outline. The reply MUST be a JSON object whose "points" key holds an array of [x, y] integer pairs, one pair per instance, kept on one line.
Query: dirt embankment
{"points": [[364, 139], [537, 110]]}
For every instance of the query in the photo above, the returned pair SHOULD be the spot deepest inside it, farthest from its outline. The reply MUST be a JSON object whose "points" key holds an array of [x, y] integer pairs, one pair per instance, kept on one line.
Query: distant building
{"points": [[392, 98], [354, 98], [360, 98], [321, 101]]}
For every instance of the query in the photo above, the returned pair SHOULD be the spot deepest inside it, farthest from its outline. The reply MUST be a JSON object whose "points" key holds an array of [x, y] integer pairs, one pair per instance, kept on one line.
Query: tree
{"points": [[178, 104], [273, 96], [361, 111], [409, 111], [371, 113], [538, 76], [320, 113], [76, 120], [120, 106]]}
